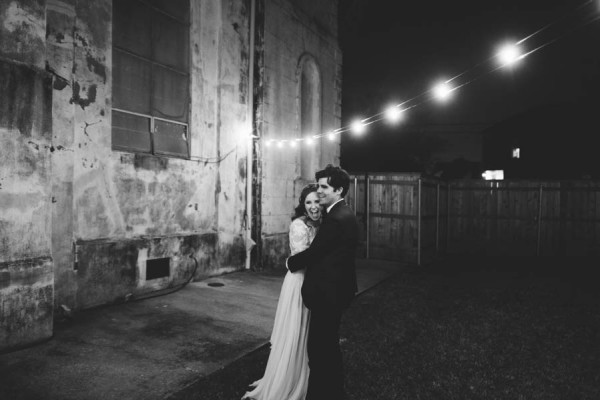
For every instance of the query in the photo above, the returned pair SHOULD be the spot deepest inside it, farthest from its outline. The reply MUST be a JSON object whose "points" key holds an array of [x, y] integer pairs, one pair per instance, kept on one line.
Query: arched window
{"points": [[309, 79]]}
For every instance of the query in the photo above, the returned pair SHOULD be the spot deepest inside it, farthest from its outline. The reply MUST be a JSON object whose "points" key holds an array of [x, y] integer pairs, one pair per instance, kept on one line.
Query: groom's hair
{"points": [[336, 177]]}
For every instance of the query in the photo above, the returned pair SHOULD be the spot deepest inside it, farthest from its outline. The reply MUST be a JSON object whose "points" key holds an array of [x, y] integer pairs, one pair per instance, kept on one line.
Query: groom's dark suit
{"points": [[329, 287]]}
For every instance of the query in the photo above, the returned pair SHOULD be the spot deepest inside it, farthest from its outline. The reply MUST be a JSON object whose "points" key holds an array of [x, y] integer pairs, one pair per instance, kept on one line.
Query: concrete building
{"points": [[124, 144]]}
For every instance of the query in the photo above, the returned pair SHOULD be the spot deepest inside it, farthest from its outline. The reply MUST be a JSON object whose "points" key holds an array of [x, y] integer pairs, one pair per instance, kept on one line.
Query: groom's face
{"points": [[327, 195]]}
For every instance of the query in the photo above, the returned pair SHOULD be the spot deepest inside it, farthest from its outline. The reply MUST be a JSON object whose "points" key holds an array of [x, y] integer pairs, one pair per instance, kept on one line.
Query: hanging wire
{"points": [[402, 106]]}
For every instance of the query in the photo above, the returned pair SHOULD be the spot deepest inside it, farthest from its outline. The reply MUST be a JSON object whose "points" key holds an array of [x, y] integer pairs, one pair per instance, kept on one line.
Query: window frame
{"points": [[152, 62]]}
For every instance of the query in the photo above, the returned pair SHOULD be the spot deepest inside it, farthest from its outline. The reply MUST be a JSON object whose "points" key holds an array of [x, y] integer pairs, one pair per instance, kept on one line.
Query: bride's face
{"points": [[313, 208]]}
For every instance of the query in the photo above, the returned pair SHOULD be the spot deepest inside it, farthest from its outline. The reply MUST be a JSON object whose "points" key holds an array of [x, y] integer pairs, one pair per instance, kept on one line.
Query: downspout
{"points": [[249, 142]]}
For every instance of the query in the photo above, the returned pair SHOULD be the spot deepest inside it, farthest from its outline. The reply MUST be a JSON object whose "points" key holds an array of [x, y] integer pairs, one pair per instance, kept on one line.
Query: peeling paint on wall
{"points": [[96, 15], [89, 98], [108, 271], [23, 31], [26, 299], [96, 66], [25, 134], [26, 99], [19, 18]]}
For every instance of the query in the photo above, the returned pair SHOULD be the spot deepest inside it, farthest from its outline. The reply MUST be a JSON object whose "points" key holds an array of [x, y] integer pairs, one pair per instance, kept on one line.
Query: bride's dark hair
{"points": [[300, 209]]}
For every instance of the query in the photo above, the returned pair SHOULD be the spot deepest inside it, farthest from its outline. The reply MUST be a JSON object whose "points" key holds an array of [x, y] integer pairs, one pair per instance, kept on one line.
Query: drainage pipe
{"points": [[250, 141]]}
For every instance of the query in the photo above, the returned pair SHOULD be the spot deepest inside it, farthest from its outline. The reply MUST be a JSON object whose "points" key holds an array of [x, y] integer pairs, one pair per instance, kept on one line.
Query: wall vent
{"points": [[157, 268]]}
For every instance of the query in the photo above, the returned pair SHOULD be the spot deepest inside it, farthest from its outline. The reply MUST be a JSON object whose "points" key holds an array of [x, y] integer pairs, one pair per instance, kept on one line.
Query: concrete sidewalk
{"points": [[152, 348]]}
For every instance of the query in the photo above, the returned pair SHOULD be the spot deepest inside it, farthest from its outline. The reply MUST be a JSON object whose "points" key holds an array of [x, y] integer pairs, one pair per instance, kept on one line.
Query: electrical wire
{"points": [[401, 106]]}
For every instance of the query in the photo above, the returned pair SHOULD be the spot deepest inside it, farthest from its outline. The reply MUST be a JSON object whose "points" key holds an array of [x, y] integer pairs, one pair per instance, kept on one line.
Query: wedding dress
{"points": [[286, 374]]}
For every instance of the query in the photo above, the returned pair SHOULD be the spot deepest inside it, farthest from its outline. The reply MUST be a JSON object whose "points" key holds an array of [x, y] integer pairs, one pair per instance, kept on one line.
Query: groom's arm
{"points": [[328, 236]]}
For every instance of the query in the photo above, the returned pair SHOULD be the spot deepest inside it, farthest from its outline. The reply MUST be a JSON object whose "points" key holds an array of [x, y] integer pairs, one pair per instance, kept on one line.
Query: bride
{"points": [[286, 374]]}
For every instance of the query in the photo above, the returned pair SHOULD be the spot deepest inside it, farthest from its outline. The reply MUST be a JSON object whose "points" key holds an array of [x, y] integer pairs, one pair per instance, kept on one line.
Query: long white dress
{"points": [[286, 374]]}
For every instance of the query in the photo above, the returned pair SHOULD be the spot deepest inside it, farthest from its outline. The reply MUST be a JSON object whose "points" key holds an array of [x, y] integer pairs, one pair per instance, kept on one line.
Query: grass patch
{"points": [[459, 329]]}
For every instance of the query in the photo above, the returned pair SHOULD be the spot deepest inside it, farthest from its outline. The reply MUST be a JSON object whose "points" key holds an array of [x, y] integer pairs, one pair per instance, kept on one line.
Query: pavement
{"points": [[152, 348]]}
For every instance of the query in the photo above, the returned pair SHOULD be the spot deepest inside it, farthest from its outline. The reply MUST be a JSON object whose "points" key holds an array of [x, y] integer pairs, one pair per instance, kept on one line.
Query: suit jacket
{"points": [[330, 277]]}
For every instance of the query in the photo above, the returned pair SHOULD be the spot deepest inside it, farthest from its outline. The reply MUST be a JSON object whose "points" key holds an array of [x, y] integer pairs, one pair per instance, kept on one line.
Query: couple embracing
{"points": [[305, 362]]}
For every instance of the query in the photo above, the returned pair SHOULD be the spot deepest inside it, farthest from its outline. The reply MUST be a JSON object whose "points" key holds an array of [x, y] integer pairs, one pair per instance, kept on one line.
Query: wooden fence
{"points": [[413, 218], [525, 218], [402, 216]]}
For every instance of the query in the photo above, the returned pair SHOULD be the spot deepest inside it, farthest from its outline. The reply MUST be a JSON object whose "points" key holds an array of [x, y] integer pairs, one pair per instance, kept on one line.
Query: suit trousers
{"points": [[326, 378]]}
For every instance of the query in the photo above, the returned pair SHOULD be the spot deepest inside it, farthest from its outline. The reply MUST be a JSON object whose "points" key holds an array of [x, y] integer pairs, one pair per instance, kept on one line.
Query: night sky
{"points": [[394, 51]]}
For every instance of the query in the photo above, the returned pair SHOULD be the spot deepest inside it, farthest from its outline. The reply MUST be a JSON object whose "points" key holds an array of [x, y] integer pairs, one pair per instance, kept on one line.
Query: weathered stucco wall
{"points": [[293, 30], [26, 279], [131, 207], [78, 220], [60, 20]]}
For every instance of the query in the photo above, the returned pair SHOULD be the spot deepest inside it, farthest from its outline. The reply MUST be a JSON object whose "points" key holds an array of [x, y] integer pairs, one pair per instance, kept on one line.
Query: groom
{"points": [[329, 284]]}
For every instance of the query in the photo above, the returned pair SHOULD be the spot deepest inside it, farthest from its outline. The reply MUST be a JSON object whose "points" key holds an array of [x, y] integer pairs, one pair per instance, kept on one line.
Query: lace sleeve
{"points": [[299, 236]]}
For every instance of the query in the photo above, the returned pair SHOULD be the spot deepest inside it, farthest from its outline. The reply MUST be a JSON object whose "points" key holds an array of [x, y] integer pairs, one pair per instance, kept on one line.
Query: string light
{"points": [[358, 127], [442, 91], [394, 114], [507, 55]]}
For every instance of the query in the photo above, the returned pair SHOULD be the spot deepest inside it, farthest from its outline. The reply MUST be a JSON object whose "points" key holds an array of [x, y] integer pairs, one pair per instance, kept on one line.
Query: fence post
{"points": [[367, 215], [496, 213], [539, 222], [447, 216], [437, 218], [355, 194], [419, 223]]}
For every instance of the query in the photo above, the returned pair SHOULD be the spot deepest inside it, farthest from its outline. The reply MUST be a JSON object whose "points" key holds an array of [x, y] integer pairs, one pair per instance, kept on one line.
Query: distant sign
{"points": [[493, 175]]}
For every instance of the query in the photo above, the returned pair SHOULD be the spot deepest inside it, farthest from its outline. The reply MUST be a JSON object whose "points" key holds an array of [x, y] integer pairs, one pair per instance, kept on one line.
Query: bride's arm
{"points": [[298, 236]]}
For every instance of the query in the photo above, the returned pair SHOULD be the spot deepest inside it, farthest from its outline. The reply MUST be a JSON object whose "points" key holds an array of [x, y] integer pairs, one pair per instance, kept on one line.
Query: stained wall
{"points": [[294, 30], [26, 276], [79, 220]]}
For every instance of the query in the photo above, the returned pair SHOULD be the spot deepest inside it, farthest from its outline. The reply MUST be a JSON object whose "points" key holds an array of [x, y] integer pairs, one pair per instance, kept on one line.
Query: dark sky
{"points": [[395, 50]]}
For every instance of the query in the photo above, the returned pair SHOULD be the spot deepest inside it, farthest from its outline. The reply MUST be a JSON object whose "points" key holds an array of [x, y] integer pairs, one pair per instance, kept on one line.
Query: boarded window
{"points": [[151, 80]]}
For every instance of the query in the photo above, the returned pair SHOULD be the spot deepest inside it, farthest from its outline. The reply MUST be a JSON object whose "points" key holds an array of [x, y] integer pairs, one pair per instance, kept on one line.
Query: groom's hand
{"points": [[292, 265]]}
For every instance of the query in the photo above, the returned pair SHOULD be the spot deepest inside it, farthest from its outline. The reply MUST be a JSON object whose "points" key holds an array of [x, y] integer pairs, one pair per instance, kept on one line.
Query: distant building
{"points": [[123, 132], [549, 142]]}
